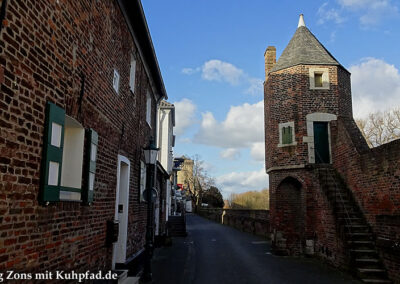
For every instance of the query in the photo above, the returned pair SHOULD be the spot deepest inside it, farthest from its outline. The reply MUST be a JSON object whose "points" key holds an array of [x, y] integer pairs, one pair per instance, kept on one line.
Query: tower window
{"points": [[318, 79], [286, 134]]}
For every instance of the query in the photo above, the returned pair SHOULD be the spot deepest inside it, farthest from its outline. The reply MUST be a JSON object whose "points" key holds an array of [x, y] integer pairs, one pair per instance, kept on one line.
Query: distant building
{"points": [[330, 195], [185, 176]]}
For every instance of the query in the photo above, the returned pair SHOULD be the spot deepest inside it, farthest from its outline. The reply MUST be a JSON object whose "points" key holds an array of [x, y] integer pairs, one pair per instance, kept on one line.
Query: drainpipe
{"points": [[156, 138]]}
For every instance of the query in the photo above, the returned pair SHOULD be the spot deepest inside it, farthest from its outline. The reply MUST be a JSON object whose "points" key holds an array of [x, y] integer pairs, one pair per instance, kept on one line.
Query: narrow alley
{"points": [[214, 253]]}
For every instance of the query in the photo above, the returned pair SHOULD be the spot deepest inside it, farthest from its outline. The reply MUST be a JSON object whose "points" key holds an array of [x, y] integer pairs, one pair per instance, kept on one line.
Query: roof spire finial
{"points": [[301, 21]]}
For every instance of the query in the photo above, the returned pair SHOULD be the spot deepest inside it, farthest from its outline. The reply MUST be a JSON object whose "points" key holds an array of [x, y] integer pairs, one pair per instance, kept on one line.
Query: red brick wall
{"points": [[306, 215], [44, 49], [373, 175], [251, 221]]}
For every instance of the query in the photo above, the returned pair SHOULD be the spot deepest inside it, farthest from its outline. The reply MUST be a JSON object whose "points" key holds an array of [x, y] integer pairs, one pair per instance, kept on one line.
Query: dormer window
{"points": [[319, 78]]}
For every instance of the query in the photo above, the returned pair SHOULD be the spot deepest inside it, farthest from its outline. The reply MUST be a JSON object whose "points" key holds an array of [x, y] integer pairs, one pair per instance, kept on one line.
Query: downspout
{"points": [[156, 138]]}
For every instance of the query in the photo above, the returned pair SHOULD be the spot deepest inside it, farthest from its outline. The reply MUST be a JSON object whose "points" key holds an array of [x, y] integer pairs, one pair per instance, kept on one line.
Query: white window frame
{"points": [[132, 75], [325, 78], [148, 108], [116, 78], [281, 126]]}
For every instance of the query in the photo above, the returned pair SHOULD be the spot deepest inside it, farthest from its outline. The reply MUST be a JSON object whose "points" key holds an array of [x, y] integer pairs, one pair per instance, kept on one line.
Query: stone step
{"points": [[351, 220], [367, 260], [371, 270], [353, 235], [367, 242], [376, 280], [364, 252], [348, 214], [357, 228]]}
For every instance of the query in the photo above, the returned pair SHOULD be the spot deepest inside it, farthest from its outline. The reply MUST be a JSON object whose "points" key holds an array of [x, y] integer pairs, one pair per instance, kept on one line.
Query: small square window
{"points": [[318, 80]]}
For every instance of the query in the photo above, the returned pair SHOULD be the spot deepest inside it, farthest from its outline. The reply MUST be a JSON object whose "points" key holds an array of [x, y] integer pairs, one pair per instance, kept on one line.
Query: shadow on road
{"points": [[214, 253]]}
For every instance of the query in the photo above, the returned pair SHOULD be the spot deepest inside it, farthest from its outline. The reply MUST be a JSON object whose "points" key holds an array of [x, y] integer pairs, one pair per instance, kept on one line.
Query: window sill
{"points": [[287, 145], [320, 88]]}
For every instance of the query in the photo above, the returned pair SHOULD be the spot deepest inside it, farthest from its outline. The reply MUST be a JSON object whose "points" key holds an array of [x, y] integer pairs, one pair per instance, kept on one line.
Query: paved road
{"points": [[214, 253]]}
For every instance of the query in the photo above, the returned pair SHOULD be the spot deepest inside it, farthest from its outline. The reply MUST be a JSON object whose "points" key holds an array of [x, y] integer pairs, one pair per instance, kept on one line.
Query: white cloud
{"points": [[237, 182], [256, 86], [372, 11], [190, 71], [243, 126], [217, 70], [184, 115], [230, 154], [375, 86], [257, 151], [329, 14], [220, 71], [364, 4]]}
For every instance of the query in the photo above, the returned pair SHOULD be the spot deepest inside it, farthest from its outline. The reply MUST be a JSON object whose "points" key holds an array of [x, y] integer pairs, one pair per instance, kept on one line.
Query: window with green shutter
{"points": [[52, 153], [287, 135], [62, 159]]}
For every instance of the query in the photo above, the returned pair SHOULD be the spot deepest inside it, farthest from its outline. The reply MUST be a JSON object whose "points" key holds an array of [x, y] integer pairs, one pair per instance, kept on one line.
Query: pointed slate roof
{"points": [[304, 48]]}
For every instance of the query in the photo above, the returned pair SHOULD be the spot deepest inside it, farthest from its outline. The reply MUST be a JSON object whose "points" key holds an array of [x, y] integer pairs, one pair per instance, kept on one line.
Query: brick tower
{"points": [[306, 90]]}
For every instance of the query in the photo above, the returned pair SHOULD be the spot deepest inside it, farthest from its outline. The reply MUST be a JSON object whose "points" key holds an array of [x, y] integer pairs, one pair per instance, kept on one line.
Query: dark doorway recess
{"points": [[321, 143]]}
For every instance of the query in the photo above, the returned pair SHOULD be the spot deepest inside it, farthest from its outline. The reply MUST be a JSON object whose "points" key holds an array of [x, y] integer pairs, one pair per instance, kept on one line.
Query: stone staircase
{"points": [[177, 226], [357, 233]]}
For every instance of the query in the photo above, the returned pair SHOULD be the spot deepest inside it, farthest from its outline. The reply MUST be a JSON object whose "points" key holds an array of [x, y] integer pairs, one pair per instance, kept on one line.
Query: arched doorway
{"points": [[290, 214]]}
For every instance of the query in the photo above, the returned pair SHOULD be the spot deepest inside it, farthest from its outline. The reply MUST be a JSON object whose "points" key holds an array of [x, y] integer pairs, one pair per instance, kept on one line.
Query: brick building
{"points": [[80, 87], [330, 195]]}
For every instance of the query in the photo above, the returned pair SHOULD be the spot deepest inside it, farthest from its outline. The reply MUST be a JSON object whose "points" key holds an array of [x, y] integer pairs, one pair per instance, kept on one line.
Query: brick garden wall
{"points": [[373, 175], [251, 221], [45, 47]]}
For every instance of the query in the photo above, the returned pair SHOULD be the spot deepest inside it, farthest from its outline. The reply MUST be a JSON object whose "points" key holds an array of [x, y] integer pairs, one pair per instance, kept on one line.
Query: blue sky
{"points": [[211, 58]]}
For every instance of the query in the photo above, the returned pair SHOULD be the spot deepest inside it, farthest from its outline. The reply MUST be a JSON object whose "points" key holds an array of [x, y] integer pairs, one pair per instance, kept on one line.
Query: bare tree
{"points": [[380, 127], [196, 179]]}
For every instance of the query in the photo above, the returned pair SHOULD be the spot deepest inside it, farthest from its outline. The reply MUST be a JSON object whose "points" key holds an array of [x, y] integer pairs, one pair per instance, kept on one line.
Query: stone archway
{"points": [[289, 216]]}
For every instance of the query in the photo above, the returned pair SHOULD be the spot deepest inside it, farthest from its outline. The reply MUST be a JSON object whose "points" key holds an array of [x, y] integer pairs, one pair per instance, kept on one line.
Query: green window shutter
{"points": [[90, 168], [53, 144], [287, 135]]}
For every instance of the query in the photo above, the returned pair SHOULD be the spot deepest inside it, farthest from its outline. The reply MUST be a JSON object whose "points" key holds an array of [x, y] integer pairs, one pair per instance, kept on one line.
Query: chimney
{"points": [[270, 60]]}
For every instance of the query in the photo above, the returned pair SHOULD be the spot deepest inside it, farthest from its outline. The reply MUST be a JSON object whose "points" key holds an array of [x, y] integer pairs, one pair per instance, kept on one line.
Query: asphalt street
{"points": [[214, 253]]}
